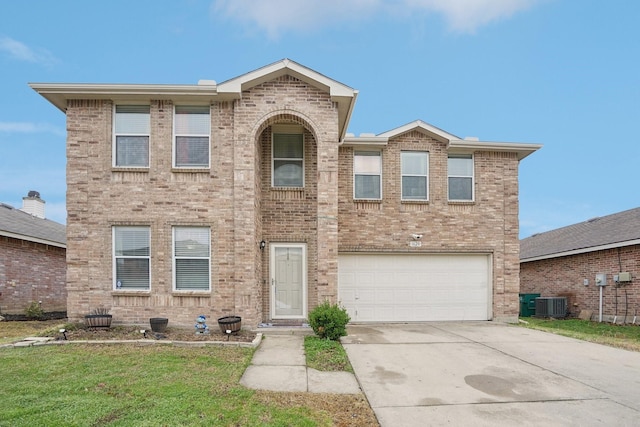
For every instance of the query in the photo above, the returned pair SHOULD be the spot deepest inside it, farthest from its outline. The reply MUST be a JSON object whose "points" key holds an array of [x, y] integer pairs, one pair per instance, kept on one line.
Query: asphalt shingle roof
{"points": [[607, 230], [28, 227]]}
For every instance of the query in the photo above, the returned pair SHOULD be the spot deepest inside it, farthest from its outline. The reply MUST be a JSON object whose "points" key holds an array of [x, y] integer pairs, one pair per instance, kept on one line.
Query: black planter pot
{"points": [[98, 320], [158, 324], [230, 324]]}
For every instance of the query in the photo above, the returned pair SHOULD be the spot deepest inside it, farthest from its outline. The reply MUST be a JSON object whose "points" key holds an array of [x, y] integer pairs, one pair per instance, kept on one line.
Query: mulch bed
{"points": [[170, 334]]}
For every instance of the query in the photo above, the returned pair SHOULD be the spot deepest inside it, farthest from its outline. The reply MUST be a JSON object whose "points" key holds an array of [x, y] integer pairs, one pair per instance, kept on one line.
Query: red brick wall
{"points": [[31, 272], [564, 276]]}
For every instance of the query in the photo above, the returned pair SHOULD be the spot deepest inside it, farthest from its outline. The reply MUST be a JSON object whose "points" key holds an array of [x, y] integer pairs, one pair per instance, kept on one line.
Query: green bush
{"points": [[329, 321], [34, 311]]}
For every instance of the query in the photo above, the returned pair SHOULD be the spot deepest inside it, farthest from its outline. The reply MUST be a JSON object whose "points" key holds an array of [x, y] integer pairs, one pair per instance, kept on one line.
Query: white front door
{"points": [[288, 281]]}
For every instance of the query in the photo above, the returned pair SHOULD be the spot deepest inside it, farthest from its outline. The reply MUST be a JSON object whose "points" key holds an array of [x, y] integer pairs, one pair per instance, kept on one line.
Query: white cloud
{"points": [[279, 16], [28, 127], [467, 16], [22, 52]]}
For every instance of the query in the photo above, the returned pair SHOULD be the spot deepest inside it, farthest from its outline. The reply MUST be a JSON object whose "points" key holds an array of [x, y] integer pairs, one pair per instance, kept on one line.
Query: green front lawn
{"points": [[152, 385], [622, 336]]}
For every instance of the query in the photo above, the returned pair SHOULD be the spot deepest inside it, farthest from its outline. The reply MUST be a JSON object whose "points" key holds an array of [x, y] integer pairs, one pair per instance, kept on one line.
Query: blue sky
{"points": [[556, 72]]}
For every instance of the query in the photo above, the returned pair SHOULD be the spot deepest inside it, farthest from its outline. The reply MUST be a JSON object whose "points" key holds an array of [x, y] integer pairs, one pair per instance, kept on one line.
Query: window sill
{"points": [[131, 169], [461, 202], [132, 292], [178, 293], [190, 170], [415, 202]]}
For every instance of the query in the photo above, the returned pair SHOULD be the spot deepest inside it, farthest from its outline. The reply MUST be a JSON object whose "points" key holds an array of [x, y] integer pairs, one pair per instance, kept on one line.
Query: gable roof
{"points": [[454, 143], [611, 231], [206, 90], [17, 224], [343, 95]]}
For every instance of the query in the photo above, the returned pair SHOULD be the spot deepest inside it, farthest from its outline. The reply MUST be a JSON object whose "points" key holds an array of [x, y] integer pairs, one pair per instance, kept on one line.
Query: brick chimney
{"points": [[33, 204]]}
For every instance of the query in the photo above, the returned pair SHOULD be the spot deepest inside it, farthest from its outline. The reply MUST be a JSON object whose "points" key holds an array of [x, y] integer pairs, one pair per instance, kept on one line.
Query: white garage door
{"points": [[407, 287]]}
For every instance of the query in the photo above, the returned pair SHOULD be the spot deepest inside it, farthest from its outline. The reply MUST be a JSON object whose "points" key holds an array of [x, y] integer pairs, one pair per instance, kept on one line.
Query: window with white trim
{"points": [[288, 160], [192, 128], [131, 129], [415, 175], [131, 257], [367, 175], [191, 258], [460, 181]]}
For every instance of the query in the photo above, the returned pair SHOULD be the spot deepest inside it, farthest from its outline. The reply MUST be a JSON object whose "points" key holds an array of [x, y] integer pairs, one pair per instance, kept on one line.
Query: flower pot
{"points": [[230, 324], [158, 324], [98, 320]]}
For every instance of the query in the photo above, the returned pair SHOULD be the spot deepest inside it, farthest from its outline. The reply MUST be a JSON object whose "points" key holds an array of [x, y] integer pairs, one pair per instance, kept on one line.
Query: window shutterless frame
{"points": [[367, 175], [131, 257], [461, 179], [191, 258], [131, 134], [191, 136], [415, 175], [287, 159]]}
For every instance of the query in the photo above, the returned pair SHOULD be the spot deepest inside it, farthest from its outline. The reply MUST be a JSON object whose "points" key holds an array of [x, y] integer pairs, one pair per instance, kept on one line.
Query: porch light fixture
{"points": [[263, 244]]}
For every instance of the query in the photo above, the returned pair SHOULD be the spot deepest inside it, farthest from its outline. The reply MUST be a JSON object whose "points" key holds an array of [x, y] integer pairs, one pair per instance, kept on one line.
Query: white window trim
{"points": [[368, 174], [114, 258], [473, 178], [286, 130], [173, 260], [114, 163], [174, 140], [426, 199]]}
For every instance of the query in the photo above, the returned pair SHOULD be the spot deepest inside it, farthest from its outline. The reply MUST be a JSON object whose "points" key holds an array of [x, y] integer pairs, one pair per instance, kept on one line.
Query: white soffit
{"points": [[521, 149], [420, 126], [280, 68], [59, 93]]}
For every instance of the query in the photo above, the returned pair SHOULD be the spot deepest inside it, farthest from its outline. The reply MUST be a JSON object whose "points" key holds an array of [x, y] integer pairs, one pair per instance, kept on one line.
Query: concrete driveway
{"points": [[491, 374]]}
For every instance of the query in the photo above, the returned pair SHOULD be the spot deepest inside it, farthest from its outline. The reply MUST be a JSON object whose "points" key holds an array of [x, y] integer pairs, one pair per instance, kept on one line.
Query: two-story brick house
{"points": [[250, 198]]}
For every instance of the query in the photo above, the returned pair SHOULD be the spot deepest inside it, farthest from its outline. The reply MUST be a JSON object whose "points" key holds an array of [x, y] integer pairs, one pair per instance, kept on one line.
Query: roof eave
{"points": [[521, 149], [582, 250], [59, 94], [32, 239]]}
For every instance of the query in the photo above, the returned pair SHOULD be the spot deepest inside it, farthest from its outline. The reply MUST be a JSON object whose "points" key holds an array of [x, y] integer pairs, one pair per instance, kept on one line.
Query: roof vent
{"points": [[593, 219], [206, 82], [471, 138]]}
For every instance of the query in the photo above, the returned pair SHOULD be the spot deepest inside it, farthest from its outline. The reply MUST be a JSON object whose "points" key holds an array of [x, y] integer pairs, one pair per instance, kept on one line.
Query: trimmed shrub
{"points": [[329, 321], [34, 311]]}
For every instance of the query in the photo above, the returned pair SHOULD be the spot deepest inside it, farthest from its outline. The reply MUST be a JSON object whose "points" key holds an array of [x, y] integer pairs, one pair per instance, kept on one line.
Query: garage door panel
{"points": [[407, 287]]}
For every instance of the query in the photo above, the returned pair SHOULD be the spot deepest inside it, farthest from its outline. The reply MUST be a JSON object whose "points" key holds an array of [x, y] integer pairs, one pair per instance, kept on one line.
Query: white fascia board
{"points": [[583, 250], [59, 93], [522, 149], [236, 85], [32, 239], [421, 125], [364, 141]]}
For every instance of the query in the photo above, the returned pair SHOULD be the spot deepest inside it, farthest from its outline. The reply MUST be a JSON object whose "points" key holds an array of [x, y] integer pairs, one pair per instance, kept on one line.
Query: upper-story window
{"points": [[367, 175], [192, 258], [288, 159], [415, 175], [131, 257], [131, 136], [192, 128], [460, 167]]}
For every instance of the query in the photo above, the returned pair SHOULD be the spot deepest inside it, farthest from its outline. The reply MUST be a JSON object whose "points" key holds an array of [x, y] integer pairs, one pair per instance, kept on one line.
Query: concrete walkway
{"points": [[279, 364]]}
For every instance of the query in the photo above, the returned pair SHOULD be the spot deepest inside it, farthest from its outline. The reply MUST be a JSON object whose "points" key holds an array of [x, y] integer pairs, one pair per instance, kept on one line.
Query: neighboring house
{"points": [[565, 263], [32, 258], [250, 198]]}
